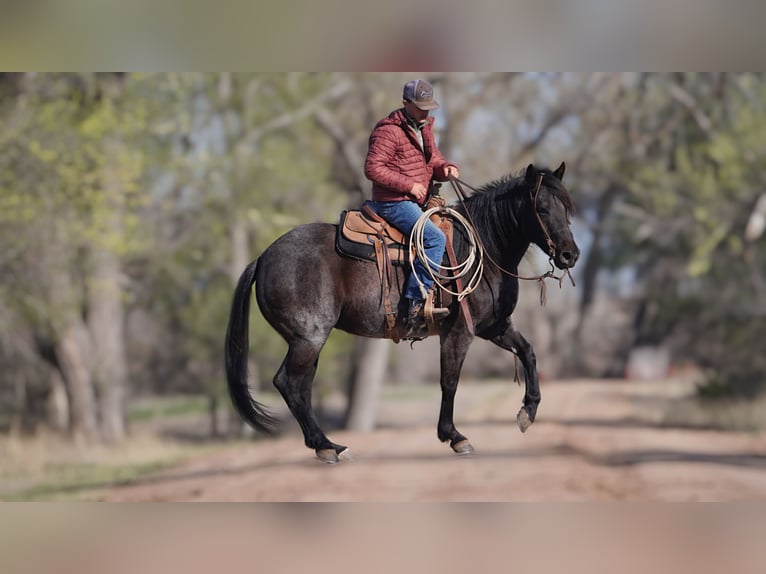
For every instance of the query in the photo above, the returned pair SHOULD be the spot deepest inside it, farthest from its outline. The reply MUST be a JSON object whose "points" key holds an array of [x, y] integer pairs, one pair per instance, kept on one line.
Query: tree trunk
{"points": [[71, 349], [106, 317], [72, 352], [365, 382], [19, 407], [106, 324], [57, 407]]}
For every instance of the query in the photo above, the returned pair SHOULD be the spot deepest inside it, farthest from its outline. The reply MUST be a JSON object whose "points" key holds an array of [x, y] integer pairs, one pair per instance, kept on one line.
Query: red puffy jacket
{"points": [[395, 160]]}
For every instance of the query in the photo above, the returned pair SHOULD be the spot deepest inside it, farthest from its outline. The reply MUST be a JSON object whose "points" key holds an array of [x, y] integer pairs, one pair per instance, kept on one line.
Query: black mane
{"points": [[495, 206], [515, 184]]}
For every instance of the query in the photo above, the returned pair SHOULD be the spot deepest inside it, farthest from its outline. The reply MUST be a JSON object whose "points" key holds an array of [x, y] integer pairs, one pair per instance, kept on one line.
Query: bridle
{"points": [[548, 238], [457, 185]]}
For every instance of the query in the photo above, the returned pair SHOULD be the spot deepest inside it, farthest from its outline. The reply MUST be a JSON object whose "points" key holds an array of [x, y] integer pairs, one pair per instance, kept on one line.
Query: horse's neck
{"points": [[505, 246], [512, 254], [499, 289]]}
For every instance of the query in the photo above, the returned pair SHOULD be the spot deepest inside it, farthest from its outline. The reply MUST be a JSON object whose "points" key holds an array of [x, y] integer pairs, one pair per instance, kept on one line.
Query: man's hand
{"points": [[452, 171], [419, 192]]}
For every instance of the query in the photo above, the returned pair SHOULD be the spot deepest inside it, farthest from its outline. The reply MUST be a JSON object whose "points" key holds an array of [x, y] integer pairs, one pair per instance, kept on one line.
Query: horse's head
{"points": [[550, 205]]}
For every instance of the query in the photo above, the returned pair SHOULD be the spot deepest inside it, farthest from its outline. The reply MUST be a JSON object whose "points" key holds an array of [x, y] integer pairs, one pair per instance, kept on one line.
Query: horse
{"points": [[304, 289]]}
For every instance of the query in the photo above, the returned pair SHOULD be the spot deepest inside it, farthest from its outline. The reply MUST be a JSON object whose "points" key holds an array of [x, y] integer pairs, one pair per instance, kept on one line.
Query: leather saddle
{"points": [[360, 233]]}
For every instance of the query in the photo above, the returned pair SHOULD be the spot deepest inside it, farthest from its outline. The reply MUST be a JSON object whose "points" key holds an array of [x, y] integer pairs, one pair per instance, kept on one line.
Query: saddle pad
{"points": [[355, 234]]}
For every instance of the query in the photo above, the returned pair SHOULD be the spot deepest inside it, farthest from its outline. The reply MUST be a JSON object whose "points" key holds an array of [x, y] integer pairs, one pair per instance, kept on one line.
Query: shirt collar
{"points": [[412, 122]]}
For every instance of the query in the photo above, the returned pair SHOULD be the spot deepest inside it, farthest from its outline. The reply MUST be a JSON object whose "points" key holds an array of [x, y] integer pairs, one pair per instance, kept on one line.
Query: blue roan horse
{"points": [[305, 289]]}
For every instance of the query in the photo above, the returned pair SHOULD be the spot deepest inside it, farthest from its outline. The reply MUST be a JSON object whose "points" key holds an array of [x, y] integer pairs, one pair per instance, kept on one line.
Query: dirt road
{"points": [[593, 440]]}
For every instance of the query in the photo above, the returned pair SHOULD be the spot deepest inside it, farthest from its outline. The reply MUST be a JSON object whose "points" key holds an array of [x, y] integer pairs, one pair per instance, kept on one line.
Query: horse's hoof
{"points": [[344, 454], [523, 420], [462, 447], [328, 455]]}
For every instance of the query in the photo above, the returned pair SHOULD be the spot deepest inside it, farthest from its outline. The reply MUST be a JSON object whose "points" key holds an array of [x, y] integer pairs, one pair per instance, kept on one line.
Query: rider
{"points": [[402, 160]]}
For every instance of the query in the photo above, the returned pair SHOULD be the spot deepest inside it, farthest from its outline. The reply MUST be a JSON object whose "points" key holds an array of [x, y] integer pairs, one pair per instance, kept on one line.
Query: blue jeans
{"points": [[403, 215]]}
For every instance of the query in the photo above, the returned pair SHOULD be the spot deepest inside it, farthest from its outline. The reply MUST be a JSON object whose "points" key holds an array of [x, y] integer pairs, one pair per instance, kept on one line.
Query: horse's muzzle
{"points": [[567, 258]]}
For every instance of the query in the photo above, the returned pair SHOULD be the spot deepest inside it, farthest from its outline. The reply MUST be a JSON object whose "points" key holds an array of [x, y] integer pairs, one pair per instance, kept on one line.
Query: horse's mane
{"points": [[514, 184], [492, 205]]}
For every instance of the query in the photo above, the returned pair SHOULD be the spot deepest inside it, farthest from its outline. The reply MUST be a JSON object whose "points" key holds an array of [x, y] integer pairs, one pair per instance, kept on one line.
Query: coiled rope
{"points": [[444, 274]]}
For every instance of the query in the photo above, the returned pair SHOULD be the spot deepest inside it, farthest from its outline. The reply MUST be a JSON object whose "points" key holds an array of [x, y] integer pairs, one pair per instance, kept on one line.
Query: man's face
{"points": [[415, 112]]}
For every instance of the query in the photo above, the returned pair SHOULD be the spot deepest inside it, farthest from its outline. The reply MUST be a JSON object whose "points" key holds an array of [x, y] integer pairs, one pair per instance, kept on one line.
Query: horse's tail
{"points": [[237, 343]]}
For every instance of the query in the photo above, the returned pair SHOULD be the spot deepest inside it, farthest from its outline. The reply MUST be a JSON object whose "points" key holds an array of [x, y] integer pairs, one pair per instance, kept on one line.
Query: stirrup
{"points": [[439, 312], [431, 313]]}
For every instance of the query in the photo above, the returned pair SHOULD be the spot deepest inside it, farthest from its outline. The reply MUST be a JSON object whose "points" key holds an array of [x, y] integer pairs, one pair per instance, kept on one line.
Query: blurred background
{"points": [[131, 202]]}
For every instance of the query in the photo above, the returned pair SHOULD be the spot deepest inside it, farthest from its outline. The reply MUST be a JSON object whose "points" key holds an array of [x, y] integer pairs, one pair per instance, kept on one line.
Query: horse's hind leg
{"points": [[515, 342], [293, 380], [454, 347]]}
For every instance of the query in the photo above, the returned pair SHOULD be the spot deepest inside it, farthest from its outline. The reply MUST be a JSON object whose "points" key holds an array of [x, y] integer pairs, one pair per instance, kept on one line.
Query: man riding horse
{"points": [[345, 292], [402, 161]]}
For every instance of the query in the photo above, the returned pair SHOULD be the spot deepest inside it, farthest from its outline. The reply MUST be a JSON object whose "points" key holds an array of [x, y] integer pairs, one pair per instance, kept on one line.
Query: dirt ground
{"points": [[593, 440]]}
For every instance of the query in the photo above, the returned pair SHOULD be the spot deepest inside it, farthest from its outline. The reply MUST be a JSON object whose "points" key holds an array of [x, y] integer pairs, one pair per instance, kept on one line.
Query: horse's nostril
{"points": [[568, 258]]}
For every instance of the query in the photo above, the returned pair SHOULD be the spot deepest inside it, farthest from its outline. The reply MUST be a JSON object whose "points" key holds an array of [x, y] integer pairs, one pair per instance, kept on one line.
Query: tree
{"points": [[683, 179], [69, 186]]}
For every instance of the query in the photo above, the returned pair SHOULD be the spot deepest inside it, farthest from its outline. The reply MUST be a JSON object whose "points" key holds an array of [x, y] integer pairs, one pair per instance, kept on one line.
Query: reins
{"points": [[457, 185]]}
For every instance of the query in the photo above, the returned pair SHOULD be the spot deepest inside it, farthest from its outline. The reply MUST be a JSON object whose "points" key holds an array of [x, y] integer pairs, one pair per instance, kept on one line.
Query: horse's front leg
{"points": [[512, 340], [454, 347]]}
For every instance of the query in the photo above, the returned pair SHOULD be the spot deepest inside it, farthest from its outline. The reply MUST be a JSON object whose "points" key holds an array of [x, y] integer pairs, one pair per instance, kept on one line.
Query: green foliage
{"points": [[696, 268]]}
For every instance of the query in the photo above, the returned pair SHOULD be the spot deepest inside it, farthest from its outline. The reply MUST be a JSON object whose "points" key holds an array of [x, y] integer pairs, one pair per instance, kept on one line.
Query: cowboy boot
{"points": [[415, 324]]}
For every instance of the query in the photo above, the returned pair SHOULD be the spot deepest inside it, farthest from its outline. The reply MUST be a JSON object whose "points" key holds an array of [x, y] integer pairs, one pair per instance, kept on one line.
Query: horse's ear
{"points": [[531, 173], [559, 173]]}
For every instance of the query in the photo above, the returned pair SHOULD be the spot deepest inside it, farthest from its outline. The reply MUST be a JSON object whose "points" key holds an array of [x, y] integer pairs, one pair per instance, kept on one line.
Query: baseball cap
{"points": [[420, 93]]}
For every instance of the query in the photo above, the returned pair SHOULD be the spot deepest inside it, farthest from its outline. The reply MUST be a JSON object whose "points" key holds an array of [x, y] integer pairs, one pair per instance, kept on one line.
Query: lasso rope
{"points": [[435, 269]]}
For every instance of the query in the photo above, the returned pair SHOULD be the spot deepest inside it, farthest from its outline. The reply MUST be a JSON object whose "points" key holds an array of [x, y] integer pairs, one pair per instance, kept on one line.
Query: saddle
{"points": [[364, 235], [361, 230]]}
